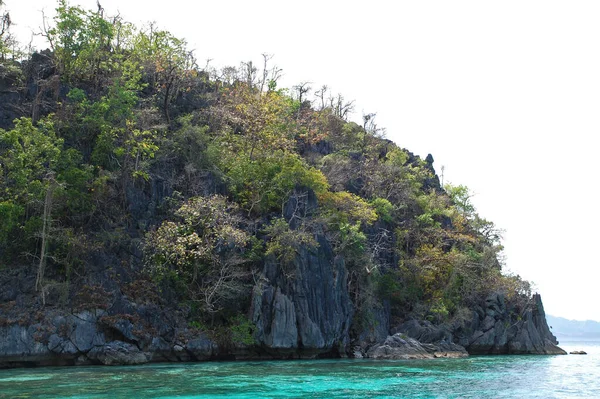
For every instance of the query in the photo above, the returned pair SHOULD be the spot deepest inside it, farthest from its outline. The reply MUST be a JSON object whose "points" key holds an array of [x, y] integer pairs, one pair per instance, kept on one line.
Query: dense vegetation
{"points": [[128, 160]]}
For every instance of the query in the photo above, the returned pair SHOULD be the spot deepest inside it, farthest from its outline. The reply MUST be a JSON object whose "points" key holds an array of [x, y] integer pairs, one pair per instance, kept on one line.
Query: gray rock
{"points": [[202, 348], [307, 311], [19, 344], [276, 321], [495, 305], [323, 307], [125, 328], [424, 331], [508, 329], [118, 353], [62, 347], [377, 326], [84, 331], [446, 349], [161, 350], [400, 346]]}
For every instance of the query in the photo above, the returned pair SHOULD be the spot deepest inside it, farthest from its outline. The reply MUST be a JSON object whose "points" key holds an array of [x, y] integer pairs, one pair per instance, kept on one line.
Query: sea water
{"points": [[571, 376]]}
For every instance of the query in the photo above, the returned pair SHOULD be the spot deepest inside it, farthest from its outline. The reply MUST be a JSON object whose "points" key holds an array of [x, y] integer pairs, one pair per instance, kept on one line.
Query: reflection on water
{"points": [[475, 377]]}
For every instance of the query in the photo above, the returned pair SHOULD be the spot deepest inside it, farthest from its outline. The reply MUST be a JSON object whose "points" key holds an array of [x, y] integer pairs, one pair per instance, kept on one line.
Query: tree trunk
{"points": [[46, 221]]}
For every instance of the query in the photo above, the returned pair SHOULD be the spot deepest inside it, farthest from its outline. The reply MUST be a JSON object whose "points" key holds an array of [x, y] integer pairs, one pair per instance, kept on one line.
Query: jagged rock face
{"points": [[498, 328], [306, 310], [29, 88], [305, 313], [143, 334], [424, 331], [18, 345], [9, 97]]}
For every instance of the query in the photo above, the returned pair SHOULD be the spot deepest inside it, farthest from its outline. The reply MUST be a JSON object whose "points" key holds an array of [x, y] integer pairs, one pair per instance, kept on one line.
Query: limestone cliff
{"points": [[305, 318], [498, 328]]}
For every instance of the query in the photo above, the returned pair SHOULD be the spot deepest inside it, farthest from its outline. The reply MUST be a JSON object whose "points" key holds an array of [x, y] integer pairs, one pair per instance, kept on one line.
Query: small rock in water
{"points": [[578, 353]]}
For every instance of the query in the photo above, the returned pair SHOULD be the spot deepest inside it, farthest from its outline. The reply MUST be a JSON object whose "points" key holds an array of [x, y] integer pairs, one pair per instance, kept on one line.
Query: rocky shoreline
{"points": [[145, 333]]}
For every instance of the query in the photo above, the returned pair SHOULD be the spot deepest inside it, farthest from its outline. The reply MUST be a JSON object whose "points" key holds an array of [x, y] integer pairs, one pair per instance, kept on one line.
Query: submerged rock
{"points": [[577, 353]]}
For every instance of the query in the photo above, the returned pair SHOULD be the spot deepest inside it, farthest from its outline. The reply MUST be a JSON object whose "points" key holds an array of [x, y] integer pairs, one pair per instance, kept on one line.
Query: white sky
{"points": [[504, 94]]}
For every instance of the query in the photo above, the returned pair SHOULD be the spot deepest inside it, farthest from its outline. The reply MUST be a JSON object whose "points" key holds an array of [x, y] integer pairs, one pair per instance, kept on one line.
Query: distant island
{"points": [[565, 328]]}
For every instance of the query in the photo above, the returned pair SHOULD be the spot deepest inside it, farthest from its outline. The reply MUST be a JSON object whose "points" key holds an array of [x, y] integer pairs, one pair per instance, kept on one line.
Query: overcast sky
{"points": [[505, 95]]}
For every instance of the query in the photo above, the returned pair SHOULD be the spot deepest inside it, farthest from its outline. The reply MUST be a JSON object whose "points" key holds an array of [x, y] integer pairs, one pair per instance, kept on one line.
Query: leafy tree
{"points": [[167, 63], [81, 41], [384, 208], [284, 242], [264, 184], [28, 154], [258, 123], [202, 249]]}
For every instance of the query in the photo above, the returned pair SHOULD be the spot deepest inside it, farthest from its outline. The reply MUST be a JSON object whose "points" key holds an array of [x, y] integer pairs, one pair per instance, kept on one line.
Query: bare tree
{"points": [[301, 90], [340, 107], [320, 94], [269, 76], [226, 284], [248, 71], [229, 75], [6, 39], [371, 127]]}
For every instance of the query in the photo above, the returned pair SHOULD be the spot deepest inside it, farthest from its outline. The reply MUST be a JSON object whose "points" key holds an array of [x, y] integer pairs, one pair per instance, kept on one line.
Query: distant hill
{"points": [[573, 328]]}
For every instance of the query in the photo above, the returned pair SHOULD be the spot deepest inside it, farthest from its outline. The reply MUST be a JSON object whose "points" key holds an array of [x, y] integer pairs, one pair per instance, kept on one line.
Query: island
{"points": [[154, 210]]}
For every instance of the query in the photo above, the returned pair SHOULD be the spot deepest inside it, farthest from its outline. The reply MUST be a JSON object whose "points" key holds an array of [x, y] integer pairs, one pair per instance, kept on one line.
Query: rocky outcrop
{"points": [[496, 327], [418, 339], [424, 331], [400, 346], [30, 88], [101, 336], [201, 348], [118, 353], [19, 345], [10, 97], [501, 328], [307, 315]]}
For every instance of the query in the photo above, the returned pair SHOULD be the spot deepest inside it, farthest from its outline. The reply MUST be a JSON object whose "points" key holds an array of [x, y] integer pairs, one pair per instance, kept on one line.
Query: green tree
{"points": [[265, 183], [202, 249], [28, 154], [168, 64], [284, 242], [28, 160], [81, 41]]}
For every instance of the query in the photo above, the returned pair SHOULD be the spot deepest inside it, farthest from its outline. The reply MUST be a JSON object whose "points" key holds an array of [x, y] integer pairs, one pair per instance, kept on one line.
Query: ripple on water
{"points": [[25, 378], [474, 377]]}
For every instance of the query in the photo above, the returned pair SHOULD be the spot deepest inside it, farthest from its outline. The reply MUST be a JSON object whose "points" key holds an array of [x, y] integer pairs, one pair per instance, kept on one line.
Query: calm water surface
{"points": [[475, 377]]}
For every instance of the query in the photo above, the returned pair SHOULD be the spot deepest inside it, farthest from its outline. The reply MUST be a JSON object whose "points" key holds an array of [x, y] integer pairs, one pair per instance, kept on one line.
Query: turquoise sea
{"points": [[570, 376]]}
